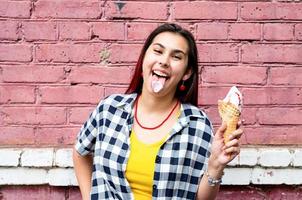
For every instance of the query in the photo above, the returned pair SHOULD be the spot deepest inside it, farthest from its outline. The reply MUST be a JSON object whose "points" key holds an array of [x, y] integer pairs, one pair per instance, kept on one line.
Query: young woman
{"points": [[153, 142]]}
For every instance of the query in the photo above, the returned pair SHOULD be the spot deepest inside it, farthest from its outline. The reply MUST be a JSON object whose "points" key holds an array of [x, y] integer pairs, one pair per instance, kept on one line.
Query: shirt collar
{"points": [[187, 111], [127, 102]]}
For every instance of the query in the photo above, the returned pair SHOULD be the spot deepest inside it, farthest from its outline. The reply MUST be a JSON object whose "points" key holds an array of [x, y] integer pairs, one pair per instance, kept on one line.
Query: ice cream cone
{"points": [[230, 115]]}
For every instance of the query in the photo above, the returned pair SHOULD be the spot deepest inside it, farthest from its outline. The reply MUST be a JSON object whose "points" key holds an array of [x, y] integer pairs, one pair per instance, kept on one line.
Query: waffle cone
{"points": [[230, 115]]}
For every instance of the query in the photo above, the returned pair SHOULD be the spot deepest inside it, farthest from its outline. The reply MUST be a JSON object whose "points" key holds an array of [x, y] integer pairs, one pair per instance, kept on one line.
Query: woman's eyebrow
{"points": [[174, 50]]}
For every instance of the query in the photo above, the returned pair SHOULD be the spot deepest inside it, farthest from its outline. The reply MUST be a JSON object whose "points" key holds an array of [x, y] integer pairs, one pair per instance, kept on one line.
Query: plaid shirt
{"points": [[180, 162]]}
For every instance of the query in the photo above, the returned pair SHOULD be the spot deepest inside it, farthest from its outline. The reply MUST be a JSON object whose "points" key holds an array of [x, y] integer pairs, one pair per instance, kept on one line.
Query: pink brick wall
{"points": [[58, 58]]}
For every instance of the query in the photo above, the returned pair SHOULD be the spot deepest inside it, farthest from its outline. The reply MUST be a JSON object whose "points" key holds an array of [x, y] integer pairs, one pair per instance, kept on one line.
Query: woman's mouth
{"points": [[158, 80], [159, 74]]}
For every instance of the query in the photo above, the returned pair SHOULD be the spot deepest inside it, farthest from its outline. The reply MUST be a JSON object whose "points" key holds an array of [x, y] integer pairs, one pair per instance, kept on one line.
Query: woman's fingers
{"points": [[240, 122], [221, 130], [234, 142], [232, 150], [236, 134]]}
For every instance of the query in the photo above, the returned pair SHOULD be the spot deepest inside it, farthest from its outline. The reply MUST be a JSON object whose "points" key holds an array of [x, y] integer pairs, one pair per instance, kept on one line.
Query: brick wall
{"points": [[58, 58]]}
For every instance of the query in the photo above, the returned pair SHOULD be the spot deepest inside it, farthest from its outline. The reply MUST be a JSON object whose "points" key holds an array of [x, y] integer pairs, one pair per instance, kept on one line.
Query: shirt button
{"points": [[157, 160], [154, 187]]}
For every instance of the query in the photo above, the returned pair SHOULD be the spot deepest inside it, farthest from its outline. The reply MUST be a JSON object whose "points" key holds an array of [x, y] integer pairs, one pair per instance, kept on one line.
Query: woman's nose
{"points": [[164, 61]]}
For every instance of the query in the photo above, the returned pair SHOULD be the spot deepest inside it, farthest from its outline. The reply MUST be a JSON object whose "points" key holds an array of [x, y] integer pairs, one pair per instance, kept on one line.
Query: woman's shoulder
{"points": [[118, 99], [191, 110], [196, 113]]}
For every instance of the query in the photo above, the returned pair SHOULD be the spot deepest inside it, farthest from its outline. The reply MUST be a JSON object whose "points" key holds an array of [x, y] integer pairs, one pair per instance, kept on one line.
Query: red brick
{"points": [[33, 192], [210, 95], [74, 31], [270, 53], [78, 53], [115, 90], [17, 94], [137, 10], [274, 96], [140, 31], [79, 115], [212, 113], [34, 115], [233, 74], [245, 31], [265, 11], [276, 135], [240, 193], [286, 96], [285, 193], [109, 30], [205, 10], [289, 11], [9, 30], [14, 135], [74, 193], [274, 116], [218, 52], [261, 192], [100, 75], [278, 31], [248, 115], [258, 11], [67, 9], [212, 31], [18, 9], [54, 136], [71, 94], [36, 74], [298, 31], [125, 53], [257, 96], [34, 31], [15, 52], [286, 76]]}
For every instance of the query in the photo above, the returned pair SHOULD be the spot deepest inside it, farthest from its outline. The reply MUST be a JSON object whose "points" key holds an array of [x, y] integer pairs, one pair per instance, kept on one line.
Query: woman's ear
{"points": [[187, 75]]}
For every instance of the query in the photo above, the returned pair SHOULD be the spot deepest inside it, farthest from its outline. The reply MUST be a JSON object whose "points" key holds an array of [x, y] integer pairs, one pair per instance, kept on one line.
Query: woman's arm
{"points": [[205, 191], [83, 171], [221, 155]]}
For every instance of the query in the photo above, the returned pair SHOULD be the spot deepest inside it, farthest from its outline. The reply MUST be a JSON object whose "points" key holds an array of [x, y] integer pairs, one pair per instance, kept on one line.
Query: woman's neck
{"points": [[150, 103]]}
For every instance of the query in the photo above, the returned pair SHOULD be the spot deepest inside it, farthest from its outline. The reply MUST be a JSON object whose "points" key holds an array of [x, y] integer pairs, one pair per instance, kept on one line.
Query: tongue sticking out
{"points": [[157, 83]]}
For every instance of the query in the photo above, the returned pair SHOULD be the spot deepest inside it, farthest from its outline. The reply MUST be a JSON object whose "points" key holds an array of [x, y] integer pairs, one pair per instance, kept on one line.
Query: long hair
{"points": [[190, 95]]}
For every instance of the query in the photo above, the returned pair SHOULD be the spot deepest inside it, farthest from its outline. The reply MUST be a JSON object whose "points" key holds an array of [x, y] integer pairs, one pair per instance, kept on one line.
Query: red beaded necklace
{"points": [[155, 127]]}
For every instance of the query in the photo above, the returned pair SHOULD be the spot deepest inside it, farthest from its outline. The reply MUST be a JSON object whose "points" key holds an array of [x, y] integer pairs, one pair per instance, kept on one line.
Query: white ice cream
{"points": [[235, 97]]}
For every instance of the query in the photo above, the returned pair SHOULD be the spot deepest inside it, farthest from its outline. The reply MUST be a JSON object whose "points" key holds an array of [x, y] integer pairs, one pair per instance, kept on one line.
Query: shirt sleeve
{"points": [[87, 136], [205, 148]]}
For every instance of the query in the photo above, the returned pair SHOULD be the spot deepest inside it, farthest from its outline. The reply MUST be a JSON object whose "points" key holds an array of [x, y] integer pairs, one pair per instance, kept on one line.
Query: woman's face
{"points": [[165, 62]]}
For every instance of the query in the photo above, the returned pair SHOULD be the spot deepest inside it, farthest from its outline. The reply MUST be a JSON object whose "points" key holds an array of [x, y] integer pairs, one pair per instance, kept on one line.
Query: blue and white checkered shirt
{"points": [[180, 162]]}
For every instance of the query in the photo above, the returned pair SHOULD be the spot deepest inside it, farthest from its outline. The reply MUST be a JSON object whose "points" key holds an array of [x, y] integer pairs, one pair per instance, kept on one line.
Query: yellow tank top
{"points": [[141, 166]]}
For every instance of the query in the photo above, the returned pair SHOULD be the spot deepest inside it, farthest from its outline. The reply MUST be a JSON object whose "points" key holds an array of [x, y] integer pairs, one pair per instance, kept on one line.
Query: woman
{"points": [[153, 142]]}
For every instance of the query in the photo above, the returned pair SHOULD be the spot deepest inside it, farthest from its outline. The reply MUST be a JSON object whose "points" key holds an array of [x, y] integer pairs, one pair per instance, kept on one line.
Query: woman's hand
{"points": [[222, 153]]}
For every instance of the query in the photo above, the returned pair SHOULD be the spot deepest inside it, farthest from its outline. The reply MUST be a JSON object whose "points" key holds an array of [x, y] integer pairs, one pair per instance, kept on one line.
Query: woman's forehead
{"points": [[172, 41]]}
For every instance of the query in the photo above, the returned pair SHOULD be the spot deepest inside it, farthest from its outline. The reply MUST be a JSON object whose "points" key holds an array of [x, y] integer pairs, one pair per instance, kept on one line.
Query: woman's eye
{"points": [[177, 57], [157, 51]]}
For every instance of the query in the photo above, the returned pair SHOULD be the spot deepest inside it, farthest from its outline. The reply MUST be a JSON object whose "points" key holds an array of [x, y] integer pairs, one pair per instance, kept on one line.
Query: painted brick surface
{"points": [[37, 158], [61, 177], [57, 60], [63, 158], [257, 166], [9, 157], [23, 176]]}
